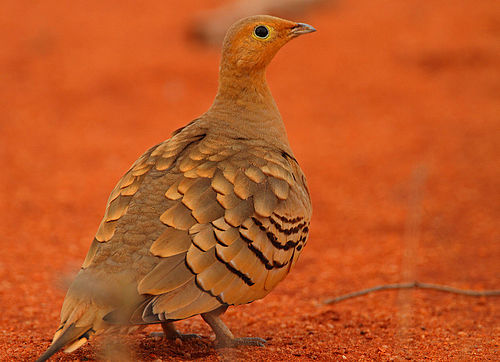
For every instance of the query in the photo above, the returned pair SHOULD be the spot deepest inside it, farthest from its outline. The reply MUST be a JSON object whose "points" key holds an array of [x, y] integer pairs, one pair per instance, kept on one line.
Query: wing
{"points": [[237, 218], [106, 280], [161, 157], [232, 218]]}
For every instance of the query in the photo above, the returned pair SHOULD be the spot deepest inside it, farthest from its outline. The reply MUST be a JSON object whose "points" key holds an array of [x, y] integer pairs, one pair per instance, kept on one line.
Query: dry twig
{"points": [[412, 285]]}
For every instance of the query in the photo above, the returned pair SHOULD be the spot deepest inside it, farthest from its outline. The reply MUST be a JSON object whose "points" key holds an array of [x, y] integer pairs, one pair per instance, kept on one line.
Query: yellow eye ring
{"points": [[261, 32]]}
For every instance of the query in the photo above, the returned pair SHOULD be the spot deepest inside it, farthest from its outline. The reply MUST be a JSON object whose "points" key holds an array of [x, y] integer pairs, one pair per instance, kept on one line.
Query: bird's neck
{"points": [[245, 100]]}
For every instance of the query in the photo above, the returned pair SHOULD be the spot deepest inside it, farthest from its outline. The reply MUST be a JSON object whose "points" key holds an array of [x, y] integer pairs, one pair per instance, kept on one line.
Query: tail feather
{"points": [[75, 336]]}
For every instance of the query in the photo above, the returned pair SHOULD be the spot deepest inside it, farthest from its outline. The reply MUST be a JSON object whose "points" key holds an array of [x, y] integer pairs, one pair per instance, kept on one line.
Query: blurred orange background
{"points": [[392, 109]]}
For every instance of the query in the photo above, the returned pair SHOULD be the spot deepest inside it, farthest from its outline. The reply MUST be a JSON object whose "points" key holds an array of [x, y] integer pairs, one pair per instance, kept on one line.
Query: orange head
{"points": [[251, 43]]}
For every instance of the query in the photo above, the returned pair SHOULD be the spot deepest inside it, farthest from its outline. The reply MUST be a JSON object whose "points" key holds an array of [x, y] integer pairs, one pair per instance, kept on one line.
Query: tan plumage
{"points": [[212, 217]]}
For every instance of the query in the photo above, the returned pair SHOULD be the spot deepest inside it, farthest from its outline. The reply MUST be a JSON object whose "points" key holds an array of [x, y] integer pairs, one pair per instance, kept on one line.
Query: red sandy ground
{"points": [[392, 108]]}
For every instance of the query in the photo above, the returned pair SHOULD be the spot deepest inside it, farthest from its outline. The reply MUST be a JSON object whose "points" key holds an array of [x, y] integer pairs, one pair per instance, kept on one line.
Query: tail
{"points": [[74, 336], [88, 299]]}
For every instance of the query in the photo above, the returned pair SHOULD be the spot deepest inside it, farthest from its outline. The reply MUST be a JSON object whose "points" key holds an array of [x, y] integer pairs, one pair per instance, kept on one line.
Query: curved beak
{"points": [[302, 28]]}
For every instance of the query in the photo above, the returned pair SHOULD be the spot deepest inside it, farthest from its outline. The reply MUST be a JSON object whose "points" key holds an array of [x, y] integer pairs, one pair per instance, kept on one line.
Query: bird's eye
{"points": [[261, 32]]}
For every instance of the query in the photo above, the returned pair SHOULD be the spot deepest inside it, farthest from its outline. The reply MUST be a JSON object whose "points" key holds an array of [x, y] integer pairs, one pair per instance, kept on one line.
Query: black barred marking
{"points": [[291, 259], [245, 239], [272, 238], [290, 221], [299, 247], [200, 287], [285, 231], [261, 255], [259, 224], [289, 156], [218, 297], [246, 279], [263, 259]]}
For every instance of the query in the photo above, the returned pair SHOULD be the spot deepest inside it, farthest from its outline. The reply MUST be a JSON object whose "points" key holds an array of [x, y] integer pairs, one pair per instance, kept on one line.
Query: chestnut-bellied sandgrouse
{"points": [[212, 217]]}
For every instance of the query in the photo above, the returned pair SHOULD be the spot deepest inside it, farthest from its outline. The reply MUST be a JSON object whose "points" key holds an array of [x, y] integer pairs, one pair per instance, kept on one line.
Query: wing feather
{"points": [[233, 224]]}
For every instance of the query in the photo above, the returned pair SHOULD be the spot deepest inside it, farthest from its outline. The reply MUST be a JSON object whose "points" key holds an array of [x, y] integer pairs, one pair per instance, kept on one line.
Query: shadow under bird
{"points": [[214, 216]]}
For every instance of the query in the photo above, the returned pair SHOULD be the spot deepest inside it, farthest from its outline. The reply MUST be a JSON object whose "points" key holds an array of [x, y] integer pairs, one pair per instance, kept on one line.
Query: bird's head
{"points": [[251, 43]]}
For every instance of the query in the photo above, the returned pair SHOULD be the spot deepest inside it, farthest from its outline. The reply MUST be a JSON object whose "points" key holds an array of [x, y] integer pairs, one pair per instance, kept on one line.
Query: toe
{"points": [[188, 336], [242, 341]]}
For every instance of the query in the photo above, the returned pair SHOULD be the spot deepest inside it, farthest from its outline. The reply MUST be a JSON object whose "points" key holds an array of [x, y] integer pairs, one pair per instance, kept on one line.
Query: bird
{"points": [[215, 216]]}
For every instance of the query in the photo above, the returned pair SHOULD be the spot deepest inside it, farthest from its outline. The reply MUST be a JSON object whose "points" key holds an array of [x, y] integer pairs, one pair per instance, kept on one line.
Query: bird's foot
{"points": [[223, 336], [174, 336], [169, 332], [241, 341]]}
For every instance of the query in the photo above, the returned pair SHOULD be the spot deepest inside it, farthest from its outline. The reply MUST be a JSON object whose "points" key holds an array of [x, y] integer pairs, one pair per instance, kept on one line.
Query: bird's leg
{"points": [[169, 332], [223, 335]]}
